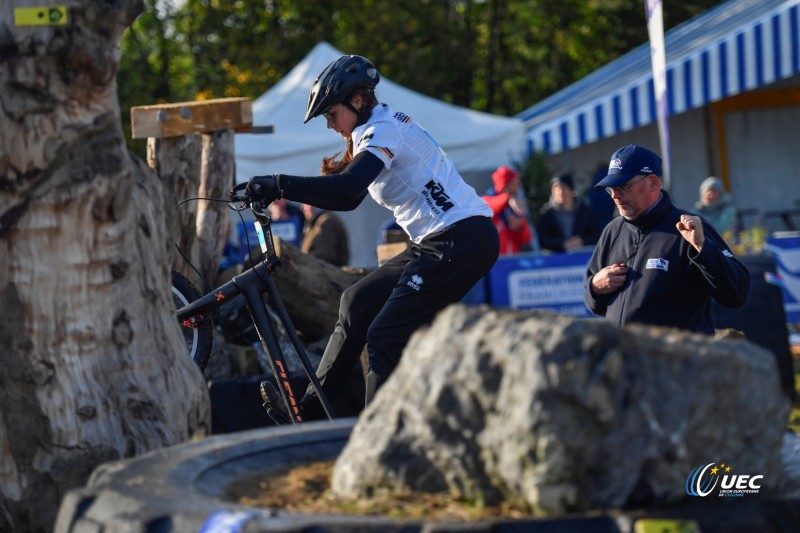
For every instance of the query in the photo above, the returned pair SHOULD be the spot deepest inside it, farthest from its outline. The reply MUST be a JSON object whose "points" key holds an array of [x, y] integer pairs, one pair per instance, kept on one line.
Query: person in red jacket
{"points": [[509, 212]]}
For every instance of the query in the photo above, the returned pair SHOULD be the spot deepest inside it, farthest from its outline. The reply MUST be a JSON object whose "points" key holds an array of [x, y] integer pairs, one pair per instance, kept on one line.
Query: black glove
{"points": [[263, 188]]}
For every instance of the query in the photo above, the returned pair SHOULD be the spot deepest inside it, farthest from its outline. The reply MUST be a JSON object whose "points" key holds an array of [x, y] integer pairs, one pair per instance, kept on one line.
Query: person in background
{"points": [[565, 222], [287, 221], [325, 236], [601, 203], [281, 209], [716, 207], [657, 264], [509, 212], [390, 157]]}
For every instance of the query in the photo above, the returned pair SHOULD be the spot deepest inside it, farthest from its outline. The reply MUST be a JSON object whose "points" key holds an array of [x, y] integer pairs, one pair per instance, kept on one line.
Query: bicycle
{"points": [[252, 284]]}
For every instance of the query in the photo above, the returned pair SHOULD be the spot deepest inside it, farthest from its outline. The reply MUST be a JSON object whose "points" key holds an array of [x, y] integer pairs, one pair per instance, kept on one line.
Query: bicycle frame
{"points": [[252, 284]]}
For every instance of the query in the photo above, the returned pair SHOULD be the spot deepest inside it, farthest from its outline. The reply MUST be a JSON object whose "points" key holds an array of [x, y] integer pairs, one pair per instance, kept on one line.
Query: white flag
{"points": [[655, 29]]}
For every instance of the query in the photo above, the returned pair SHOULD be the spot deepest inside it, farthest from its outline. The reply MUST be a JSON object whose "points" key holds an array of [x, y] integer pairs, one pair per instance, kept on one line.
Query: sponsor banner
{"points": [[289, 230], [552, 282], [784, 247]]}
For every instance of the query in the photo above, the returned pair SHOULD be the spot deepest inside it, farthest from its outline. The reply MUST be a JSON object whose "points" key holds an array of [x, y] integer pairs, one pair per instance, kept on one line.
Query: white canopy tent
{"points": [[476, 142]]}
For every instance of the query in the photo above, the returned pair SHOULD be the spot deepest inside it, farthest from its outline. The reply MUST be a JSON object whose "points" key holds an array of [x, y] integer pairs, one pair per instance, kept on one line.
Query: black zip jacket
{"points": [[669, 283], [552, 238]]}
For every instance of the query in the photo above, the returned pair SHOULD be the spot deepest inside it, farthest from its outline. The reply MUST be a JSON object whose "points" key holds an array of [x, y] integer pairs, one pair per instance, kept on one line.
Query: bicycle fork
{"points": [[252, 293], [269, 339]]}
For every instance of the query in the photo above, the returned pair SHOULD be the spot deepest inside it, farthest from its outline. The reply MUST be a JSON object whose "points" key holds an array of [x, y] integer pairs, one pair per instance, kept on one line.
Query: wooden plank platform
{"points": [[203, 116]]}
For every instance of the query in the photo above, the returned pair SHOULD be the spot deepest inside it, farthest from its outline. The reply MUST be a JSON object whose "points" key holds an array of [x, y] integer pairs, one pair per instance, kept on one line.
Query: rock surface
{"points": [[565, 414]]}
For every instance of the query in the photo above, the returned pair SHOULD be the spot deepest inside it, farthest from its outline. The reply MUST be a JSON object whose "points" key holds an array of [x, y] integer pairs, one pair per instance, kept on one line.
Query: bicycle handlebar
{"points": [[239, 194]]}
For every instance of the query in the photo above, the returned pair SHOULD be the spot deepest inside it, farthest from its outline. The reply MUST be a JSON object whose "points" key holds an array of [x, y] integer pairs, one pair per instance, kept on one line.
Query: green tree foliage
{"points": [[155, 66], [499, 56]]}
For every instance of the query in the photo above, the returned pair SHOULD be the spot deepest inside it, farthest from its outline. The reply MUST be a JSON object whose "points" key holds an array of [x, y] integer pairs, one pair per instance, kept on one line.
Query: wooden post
{"points": [[176, 161], [190, 146], [213, 218]]}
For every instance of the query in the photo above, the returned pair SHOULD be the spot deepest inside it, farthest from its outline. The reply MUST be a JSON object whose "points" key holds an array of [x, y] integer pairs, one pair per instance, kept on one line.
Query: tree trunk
{"points": [[311, 289], [192, 167], [213, 218], [93, 366], [176, 160]]}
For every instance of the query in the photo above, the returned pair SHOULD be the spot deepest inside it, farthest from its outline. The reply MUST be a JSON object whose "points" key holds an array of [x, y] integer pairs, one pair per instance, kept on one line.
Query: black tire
{"points": [[199, 339]]}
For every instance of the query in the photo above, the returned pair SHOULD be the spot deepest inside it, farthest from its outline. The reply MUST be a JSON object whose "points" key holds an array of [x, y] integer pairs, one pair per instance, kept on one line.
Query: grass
{"points": [[305, 489]]}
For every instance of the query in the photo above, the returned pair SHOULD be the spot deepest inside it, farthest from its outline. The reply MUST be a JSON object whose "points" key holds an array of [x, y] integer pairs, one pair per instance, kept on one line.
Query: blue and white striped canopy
{"points": [[734, 47]]}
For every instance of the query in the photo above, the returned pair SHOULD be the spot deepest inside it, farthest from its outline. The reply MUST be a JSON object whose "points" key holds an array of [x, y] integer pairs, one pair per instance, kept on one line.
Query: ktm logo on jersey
{"points": [[435, 192]]}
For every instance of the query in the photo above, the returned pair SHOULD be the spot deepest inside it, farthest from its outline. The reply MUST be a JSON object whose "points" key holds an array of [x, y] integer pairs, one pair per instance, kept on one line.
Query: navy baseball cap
{"points": [[627, 162]]}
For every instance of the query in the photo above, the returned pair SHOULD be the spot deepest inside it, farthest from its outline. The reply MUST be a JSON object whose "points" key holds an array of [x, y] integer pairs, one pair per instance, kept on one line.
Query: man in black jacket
{"points": [[565, 222], [657, 264]]}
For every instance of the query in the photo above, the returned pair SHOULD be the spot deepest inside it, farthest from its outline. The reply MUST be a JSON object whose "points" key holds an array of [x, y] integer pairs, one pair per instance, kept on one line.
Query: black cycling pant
{"points": [[384, 308]]}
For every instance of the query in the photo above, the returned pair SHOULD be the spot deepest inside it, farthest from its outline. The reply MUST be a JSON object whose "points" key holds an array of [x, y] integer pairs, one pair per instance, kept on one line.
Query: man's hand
{"points": [[264, 188], [691, 229], [609, 279]]}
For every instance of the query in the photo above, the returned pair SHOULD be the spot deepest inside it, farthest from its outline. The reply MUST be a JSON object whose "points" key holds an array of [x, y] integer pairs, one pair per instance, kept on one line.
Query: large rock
{"points": [[565, 414]]}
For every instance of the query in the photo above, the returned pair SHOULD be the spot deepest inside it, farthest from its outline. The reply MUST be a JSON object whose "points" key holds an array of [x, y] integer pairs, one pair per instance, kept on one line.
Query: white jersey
{"points": [[419, 183]]}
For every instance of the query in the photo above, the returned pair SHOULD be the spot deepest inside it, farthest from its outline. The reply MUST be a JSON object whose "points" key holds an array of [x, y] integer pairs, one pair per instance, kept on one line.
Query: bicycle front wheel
{"points": [[200, 336]]}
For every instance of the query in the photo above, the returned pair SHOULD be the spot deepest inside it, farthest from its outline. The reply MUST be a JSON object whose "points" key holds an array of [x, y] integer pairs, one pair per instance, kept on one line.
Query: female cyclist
{"points": [[389, 156]]}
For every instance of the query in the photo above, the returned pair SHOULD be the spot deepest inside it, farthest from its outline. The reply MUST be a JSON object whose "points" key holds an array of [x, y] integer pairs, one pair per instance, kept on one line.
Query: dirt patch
{"points": [[306, 489]]}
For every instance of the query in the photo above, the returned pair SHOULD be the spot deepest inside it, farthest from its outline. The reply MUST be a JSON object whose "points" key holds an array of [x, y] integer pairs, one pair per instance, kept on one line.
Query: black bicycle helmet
{"points": [[337, 81]]}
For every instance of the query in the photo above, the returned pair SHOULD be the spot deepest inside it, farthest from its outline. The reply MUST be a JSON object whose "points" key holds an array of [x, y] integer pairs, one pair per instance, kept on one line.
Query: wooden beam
{"points": [[205, 116]]}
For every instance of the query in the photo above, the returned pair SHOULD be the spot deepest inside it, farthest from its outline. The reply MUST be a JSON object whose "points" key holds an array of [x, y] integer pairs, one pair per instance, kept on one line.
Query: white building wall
{"points": [[764, 159], [763, 147]]}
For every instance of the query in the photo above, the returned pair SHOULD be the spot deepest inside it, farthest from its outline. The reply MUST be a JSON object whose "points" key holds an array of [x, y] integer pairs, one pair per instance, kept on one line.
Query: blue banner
{"points": [[534, 281], [784, 247], [288, 230]]}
